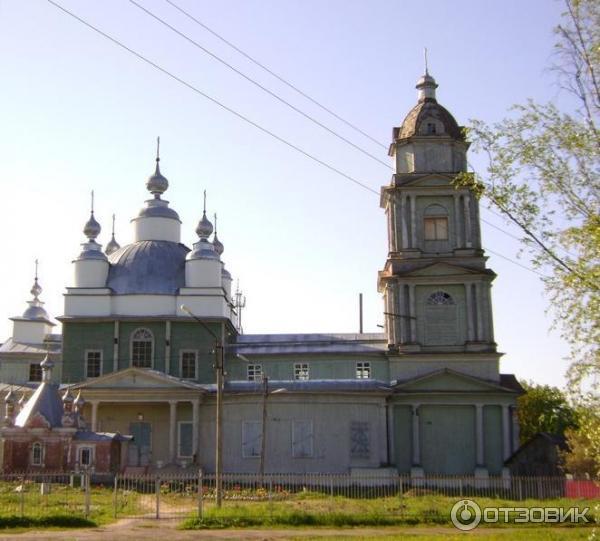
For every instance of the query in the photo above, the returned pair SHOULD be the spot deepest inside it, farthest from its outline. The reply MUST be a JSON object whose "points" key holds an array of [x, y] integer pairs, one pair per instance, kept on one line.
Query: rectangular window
{"points": [[185, 439], [302, 439], [35, 372], [93, 363], [188, 364], [360, 441], [85, 456], [436, 228], [251, 439], [301, 371], [363, 370], [255, 372]]}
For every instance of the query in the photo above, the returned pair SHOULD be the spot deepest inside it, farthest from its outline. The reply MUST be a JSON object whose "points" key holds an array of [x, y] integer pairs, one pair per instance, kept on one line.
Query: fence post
{"points": [[115, 494], [331, 485], [200, 494], [22, 497], [400, 496], [157, 492], [86, 480]]}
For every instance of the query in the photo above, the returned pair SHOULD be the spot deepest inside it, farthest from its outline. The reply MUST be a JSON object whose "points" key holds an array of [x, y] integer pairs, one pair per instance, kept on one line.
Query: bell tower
{"points": [[435, 283]]}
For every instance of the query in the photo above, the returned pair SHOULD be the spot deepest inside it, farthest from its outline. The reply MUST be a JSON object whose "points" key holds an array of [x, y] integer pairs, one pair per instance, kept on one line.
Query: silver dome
{"points": [[36, 289], [203, 250], [148, 266], [219, 248], [92, 228], [205, 227], [112, 246], [157, 184], [35, 311]]}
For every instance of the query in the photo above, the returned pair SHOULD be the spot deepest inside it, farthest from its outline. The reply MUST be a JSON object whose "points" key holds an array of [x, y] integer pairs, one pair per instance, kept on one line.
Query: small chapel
{"points": [[141, 324]]}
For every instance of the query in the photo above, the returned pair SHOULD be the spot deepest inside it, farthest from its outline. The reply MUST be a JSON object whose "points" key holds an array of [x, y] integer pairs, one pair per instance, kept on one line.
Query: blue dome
{"points": [[148, 266]]}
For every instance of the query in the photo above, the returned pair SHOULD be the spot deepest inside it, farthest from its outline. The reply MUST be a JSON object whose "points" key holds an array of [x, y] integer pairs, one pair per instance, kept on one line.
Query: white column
{"points": [[116, 347], [480, 459], [469, 296], [167, 347], [389, 321], [413, 221], [94, 415], [416, 436], [459, 241], [392, 225], [395, 243], [195, 428], [479, 310], [413, 313], [490, 315], [505, 432], [403, 219], [172, 430], [395, 310], [468, 224]]}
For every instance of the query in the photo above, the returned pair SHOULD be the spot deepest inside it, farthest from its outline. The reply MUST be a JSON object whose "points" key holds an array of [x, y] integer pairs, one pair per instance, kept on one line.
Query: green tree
{"points": [[543, 175], [583, 456], [544, 409]]}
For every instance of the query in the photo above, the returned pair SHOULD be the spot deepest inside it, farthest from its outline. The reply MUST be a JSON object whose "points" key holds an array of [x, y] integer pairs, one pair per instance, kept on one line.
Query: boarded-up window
{"points": [[251, 439], [441, 320], [185, 439], [302, 439], [360, 441]]}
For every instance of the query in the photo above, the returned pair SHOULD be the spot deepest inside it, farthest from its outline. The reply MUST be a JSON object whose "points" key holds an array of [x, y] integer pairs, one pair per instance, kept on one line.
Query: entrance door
{"points": [[141, 446]]}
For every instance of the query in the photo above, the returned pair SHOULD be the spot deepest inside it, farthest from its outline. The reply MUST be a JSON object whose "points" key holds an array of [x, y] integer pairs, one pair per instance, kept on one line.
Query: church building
{"points": [[145, 325]]}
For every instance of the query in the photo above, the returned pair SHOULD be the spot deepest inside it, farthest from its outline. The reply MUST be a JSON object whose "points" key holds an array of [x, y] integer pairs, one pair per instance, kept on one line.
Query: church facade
{"points": [[145, 324]]}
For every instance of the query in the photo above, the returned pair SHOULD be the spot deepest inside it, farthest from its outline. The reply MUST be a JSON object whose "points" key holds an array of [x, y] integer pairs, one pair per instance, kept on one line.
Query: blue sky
{"points": [[78, 113]]}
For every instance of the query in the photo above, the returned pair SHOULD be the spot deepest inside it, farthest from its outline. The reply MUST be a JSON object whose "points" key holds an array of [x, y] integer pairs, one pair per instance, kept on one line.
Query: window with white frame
{"points": [[35, 372], [86, 456], [251, 439], [93, 363], [302, 438], [37, 454], [255, 372], [363, 370], [360, 441], [142, 342], [301, 371], [188, 367], [185, 439]]}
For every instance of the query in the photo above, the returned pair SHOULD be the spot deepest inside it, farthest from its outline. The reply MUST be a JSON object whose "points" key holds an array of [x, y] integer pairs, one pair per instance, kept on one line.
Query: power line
{"points": [[517, 263], [262, 87], [278, 77], [213, 100], [240, 115]]}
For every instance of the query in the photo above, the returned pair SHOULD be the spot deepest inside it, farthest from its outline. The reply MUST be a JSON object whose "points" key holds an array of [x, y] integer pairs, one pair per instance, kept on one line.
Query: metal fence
{"points": [[188, 493]]}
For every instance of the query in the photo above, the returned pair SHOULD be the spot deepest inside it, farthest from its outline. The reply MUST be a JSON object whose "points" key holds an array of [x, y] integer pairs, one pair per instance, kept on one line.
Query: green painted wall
{"points": [[492, 438], [192, 336], [403, 438], [441, 324], [127, 328], [77, 337], [447, 439]]}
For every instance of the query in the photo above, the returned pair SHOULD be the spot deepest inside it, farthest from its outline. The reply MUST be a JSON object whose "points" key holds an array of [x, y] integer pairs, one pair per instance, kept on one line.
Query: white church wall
{"points": [[156, 228], [90, 273], [143, 305], [30, 332], [82, 304]]}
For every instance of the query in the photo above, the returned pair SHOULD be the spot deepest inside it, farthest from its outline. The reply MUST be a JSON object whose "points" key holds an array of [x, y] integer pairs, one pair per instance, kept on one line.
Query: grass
{"points": [[321, 511]]}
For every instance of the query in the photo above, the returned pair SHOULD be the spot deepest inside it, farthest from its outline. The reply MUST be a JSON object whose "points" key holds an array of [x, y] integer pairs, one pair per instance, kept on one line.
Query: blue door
{"points": [[141, 446]]}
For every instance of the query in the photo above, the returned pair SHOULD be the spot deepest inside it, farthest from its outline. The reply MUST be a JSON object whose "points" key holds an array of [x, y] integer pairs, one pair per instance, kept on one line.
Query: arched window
{"points": [[440, 298], [435, 223], [142, 342], [37, 454]]}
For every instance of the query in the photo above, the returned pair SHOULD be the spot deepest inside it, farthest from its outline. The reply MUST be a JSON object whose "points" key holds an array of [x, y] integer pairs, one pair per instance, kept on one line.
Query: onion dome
{"points": [[219, 248], [157, 184], [203, 249], [10, 397], [91, 249], [35, 310], [112, 245], [47, 365], [204, 228], [92, 228], [67, 397]]}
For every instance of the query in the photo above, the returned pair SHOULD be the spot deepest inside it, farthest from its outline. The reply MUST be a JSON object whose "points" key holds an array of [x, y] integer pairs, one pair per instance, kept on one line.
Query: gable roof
{"points": [[46, 402], [139, 378], [448, 380]]}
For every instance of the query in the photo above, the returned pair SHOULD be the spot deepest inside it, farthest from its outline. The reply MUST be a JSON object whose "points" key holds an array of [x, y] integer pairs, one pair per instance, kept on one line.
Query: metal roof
{"points": [[46, 401], [86, 435], [307, 386], [12, 346], [148, 266], [277, 344]]}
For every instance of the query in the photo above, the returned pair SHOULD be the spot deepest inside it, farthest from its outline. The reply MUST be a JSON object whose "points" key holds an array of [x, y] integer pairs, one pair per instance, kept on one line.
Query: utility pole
{"points": [[263, 442], [219, 362]]}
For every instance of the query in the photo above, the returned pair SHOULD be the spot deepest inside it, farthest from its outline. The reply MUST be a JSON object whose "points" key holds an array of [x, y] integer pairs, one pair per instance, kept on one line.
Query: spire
{"points": [[92, 228], [112, 245], [157, 184], [35, 309], [219, 248], [47, 365], [204, 228], [426, 85]]}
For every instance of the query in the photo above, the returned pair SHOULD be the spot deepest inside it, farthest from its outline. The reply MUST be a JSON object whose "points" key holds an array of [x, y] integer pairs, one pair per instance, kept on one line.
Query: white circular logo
{"points": [[465, 515]]}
